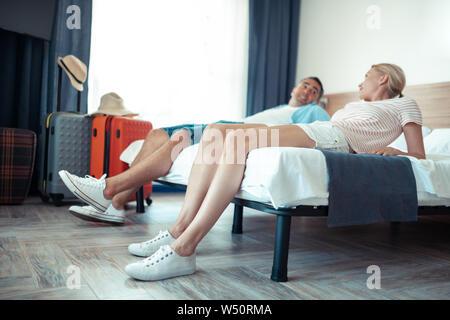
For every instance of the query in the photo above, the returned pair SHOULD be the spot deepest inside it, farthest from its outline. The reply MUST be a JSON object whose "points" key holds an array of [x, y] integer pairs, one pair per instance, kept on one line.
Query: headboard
{"points": [[433, 100]]}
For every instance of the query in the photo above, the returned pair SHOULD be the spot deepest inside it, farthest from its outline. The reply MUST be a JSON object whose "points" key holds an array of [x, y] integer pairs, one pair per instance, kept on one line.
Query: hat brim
{"points": [[125, 113], [74, 82]]}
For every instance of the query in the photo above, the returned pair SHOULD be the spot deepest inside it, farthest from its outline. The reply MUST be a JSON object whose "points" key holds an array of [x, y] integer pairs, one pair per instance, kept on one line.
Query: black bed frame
{"points": [[283, 228]]}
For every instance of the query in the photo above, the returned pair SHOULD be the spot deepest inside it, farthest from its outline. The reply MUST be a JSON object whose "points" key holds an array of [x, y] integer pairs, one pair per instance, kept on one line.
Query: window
{"points": [[172, 61]]}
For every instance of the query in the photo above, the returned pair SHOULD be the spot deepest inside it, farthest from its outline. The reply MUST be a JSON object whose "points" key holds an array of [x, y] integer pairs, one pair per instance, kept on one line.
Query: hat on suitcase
{"points": [[112, 104], [76, 70]]}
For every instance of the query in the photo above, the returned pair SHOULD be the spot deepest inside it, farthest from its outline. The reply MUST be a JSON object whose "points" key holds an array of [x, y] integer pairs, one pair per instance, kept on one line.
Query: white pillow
{"points": [[438, 141], [400, 142], [129, 154]]}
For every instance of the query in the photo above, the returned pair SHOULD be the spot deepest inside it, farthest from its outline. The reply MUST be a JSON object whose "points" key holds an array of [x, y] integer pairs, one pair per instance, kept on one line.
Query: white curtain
{"points": [[172, 61]]}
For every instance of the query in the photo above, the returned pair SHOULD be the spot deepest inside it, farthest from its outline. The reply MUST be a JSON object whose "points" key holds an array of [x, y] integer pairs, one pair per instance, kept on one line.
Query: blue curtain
{"points": [[29, 71], [66, 41], [20, 80], [273, 39]]}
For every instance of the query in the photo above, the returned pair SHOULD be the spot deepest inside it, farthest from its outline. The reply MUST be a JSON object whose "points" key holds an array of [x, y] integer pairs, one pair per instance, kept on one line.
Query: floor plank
{"points": [[12, 259], [48, 263], [39, 241]]}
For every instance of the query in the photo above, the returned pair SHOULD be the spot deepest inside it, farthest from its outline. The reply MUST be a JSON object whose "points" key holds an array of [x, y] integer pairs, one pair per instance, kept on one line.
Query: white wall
{"points": [[339, 40]]}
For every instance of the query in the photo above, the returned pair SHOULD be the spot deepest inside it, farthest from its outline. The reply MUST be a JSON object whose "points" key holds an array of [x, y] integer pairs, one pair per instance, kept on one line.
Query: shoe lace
{"points": [[163, 252], [90, 180], [160, 235]]}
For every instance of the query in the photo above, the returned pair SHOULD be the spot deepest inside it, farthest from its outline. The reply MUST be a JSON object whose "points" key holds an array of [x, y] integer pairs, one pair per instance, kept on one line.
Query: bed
{"points": [[291, 182]]}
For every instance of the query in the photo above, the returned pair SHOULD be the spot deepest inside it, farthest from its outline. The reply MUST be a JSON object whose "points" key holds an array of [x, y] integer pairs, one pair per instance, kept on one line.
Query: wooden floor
{"points": [[39, 242]]}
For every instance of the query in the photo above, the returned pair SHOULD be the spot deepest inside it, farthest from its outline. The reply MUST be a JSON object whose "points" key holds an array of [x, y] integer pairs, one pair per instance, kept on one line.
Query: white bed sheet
{"points": [[288, 177]]}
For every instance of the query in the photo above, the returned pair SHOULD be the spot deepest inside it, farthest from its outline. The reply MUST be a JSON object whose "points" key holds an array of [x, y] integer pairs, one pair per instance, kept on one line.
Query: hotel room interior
{"points": [[200, 61]]}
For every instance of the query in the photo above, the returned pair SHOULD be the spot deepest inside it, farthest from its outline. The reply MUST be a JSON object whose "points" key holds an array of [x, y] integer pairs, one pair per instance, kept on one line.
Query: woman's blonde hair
{"points": [[397, 79]]}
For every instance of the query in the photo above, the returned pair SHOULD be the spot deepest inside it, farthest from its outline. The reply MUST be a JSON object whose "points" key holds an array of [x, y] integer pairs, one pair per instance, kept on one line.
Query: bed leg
{"points": [[140, 200], [237, 219], [280, 257]]}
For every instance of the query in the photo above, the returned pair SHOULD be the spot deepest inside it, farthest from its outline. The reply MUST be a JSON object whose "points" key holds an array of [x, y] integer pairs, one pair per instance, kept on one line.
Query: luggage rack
{"points": [[284, 215]]}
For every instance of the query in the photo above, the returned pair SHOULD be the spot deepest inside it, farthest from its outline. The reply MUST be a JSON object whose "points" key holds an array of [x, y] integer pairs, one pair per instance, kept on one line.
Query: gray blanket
{"points": [[367, 188]]}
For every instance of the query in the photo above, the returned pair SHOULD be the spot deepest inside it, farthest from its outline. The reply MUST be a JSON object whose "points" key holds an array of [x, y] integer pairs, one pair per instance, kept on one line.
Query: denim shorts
{"points": [[326, 136], [195, 130]]}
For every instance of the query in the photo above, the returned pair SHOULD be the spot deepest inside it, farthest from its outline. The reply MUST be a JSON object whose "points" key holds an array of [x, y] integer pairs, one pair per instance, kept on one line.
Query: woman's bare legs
{"points": [[205, 164], [226, 181]]}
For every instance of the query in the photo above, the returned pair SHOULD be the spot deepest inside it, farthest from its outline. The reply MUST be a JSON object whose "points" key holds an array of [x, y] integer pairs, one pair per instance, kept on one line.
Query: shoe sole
{"points": [[141, 255], [78, 193], [95, 218], [178, 274], [107, 217], [138, 255]]}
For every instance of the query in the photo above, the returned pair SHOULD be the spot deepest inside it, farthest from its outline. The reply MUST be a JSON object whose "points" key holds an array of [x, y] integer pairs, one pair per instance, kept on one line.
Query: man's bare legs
{"points": [[153, 161], [213, 186], [153, 141]]}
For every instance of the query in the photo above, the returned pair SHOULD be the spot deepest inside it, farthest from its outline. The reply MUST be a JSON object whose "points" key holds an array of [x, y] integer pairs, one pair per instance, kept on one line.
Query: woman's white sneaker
{"points": [[163, 264], [88, 189], [147, 248]]}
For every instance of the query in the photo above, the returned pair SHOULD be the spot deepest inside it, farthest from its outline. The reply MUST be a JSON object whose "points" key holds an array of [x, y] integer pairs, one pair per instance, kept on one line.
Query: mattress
{"points": [[289, 177]]}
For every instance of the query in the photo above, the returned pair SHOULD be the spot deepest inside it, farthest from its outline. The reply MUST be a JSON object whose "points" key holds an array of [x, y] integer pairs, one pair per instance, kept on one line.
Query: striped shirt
{"points": [[368, 125]]}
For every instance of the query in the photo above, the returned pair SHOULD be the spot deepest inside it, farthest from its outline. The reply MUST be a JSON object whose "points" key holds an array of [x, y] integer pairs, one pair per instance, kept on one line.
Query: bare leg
{"points": [[149, 166], [153, 141], [203, 171], [224, 185]]}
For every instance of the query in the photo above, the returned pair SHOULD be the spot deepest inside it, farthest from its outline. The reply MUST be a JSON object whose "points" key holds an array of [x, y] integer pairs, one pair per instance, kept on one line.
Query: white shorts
{"points": [[326, 136]]}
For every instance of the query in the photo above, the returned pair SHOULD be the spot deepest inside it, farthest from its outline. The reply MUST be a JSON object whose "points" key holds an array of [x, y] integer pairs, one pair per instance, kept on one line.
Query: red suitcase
{"points": [[111, 135]]}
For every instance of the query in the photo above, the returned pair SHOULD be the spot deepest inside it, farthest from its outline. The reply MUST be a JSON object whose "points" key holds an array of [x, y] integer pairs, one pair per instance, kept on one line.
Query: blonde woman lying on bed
{"points": [[362, 127]]}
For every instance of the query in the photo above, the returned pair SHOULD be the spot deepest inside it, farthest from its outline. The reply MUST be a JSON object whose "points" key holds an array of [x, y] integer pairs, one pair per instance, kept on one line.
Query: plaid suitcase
{"points": [[17, 152], [110, 137], [65, 143]]}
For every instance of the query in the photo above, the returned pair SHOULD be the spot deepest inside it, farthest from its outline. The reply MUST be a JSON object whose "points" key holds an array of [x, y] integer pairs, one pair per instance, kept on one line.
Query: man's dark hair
{"points": [[320, 84]]}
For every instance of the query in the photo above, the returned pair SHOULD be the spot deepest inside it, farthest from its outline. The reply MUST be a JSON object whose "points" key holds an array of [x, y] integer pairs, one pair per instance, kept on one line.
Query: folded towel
{"points": [[367, 188]]}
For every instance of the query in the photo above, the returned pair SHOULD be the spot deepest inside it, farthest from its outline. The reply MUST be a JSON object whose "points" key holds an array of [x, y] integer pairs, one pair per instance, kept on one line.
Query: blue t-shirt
{"points": [[309, 113]]}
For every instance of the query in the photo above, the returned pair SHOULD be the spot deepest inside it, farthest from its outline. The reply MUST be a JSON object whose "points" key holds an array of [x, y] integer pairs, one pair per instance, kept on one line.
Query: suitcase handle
{"points": [[58, 105]]}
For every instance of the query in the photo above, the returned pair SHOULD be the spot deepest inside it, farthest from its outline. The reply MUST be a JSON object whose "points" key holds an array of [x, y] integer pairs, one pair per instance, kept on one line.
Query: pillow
{"points": [[129, 154], [400, 142], [438, 141]]}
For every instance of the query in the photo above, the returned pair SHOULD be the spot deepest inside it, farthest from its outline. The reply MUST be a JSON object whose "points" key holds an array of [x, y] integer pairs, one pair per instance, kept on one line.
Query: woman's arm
{"points": [[414, 141]]}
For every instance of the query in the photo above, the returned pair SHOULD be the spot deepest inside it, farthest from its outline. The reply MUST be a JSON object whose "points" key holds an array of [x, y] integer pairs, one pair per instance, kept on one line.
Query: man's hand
{"points": [[387, 151]]}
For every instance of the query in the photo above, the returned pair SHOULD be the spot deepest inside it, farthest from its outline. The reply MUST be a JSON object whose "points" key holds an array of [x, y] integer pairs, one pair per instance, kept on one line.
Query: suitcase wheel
{"points": [[148, 201], [44, 197], [57, 199]]}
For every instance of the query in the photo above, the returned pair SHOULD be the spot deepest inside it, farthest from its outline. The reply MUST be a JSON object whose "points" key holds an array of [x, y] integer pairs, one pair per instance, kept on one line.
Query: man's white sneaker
{"points": [[163, 264], [84, 211], [88, 189], [110, 215], [147, 248]]}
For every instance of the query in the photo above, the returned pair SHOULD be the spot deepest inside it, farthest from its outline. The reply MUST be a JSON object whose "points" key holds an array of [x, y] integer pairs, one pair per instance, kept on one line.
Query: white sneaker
{"points": [[147, 248], [88, 189], [163, 264], [110, 215]]}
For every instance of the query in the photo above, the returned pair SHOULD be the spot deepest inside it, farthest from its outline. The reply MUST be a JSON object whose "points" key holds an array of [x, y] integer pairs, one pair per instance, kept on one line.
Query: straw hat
{"points": [[76, 70], [112, 104]]}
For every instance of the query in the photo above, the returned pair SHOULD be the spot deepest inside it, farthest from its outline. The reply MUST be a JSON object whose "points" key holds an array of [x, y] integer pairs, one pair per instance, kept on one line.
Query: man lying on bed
{"points": [[162, 146]]}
